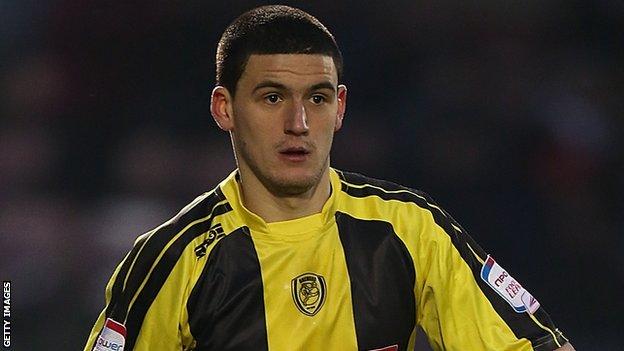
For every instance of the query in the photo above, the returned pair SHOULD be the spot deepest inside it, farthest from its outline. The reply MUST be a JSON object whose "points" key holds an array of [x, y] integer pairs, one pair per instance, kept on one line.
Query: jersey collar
{"points": [[231, 190]]}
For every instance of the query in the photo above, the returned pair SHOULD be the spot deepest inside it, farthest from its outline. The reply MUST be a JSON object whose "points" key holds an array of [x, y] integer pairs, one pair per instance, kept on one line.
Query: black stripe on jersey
{"points": [[520, 323], [121, 276], [382, 278], [148, 251], [228, 298], [116, 290], [146, 296], [156, 243]]}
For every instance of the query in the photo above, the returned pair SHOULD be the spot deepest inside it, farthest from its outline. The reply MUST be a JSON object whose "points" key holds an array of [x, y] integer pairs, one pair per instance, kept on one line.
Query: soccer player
{"points": [[289, 254]]}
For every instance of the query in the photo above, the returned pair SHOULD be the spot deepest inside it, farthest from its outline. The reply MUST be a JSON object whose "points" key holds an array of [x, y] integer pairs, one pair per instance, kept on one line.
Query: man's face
{"points": [[283, 118]]}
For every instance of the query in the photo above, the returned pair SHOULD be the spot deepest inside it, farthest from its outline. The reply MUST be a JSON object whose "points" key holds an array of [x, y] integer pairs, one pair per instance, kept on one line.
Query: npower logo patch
{"points": [[507, 287], [112, 338]]}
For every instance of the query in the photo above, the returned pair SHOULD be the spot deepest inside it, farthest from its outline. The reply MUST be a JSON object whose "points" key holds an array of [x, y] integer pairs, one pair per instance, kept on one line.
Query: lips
{"points": [[294, 154], [295, 151]]}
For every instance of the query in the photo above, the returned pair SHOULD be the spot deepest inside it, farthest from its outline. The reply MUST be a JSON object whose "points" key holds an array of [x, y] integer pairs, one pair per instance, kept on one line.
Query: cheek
{"points": [[254, 139], [255, 122], [246, 124], [326, 131]]}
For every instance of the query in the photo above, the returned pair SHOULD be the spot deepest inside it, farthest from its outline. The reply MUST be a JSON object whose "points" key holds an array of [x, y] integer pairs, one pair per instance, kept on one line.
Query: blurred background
{"points": [[508, 113]]}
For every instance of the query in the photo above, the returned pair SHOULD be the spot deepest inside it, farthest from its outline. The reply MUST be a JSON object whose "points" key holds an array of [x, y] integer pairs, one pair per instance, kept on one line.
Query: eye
{"points": [[272, 99], [318, 99]]}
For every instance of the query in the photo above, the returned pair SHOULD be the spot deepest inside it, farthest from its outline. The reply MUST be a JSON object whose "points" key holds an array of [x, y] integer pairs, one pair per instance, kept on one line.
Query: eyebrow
{"points": [[274, 84], [269, 84], [323, 85]]}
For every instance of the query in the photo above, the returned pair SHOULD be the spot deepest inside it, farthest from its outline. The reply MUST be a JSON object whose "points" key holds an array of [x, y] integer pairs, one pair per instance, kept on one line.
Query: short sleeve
{"points": [[144, 302], [467, 301]]}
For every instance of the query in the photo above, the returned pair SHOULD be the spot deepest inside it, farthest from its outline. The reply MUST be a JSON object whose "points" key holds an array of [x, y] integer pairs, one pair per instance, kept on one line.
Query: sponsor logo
{"points": [[112, 337], [507, 287], [309, 291], [215, 233]]}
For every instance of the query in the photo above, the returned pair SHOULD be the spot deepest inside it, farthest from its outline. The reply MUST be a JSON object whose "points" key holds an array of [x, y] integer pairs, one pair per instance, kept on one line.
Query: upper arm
{"points": [[144, 297], [465, 299]]}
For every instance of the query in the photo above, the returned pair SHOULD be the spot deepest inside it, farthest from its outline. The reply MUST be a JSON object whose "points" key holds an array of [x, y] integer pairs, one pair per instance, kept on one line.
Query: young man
{"points": [[290, 254]]}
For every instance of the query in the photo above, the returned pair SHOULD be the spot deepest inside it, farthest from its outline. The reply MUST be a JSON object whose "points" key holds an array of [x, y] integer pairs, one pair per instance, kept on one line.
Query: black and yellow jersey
{"points": [[363, 274]]}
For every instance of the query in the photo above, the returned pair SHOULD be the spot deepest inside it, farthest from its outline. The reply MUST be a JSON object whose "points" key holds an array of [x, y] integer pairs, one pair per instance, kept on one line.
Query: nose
{"points": [[297, 120]]}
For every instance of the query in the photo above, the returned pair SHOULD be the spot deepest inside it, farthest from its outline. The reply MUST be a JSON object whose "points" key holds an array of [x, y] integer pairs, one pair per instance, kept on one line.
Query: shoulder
{"points": [[369, 198], [146, 268], [164, 245], [207, 205], [190, 222], [357, 185], [413, 215]]}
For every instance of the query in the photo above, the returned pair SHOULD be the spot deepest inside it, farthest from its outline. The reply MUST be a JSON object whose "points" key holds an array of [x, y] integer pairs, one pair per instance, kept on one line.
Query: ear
{"points": [[221, 108], [342, 106]]}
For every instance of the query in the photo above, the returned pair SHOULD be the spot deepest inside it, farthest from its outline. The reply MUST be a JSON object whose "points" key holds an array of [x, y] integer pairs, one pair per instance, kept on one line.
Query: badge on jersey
{"points": [[308, 292], [112, 337], [507, 287]]}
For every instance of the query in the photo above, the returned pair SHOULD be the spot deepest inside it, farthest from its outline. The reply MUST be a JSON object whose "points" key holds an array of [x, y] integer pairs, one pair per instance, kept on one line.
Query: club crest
{"points": [[309, 291]]}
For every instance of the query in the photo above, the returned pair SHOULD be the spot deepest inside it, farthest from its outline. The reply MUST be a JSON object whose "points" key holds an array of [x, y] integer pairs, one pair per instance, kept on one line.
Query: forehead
{"points": [[289, 67]]}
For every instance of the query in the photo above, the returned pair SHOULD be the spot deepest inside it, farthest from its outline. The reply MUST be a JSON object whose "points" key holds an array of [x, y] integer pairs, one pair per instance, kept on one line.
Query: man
{"points": [[290, 254]]}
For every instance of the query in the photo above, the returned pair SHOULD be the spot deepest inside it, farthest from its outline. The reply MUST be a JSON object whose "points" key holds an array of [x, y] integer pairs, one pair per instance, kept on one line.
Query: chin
{"points": [[293, 181], [289, 180], [293, 185]]}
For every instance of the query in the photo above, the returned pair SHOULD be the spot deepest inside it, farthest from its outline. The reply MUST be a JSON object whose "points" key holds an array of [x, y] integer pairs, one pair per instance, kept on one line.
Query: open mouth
{"points": [[295, 151], [296, 154]]}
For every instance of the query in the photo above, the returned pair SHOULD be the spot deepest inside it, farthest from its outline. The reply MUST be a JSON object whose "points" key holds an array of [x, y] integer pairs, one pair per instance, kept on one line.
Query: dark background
{"points": [[508, 113]]}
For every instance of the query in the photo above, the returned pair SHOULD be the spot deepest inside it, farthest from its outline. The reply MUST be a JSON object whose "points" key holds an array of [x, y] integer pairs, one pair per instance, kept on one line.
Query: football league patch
{"points": [[507, 287], [112, 337]]}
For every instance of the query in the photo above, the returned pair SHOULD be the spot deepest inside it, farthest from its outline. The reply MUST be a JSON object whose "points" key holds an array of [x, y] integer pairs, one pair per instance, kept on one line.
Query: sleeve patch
{"points": [[507, 287], [112, 338]]}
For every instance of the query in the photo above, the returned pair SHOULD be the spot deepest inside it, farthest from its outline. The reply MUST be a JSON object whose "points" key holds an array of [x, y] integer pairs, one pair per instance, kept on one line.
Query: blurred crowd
{"points": [[505, 112]]}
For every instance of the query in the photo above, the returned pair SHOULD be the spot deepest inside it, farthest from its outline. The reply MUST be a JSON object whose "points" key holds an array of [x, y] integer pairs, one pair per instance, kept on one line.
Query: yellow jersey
{"points": [[378, 261]]}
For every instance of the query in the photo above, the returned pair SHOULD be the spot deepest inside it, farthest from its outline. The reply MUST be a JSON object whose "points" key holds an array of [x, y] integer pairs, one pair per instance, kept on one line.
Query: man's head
{"points": [[266, 30], [278, 70]]}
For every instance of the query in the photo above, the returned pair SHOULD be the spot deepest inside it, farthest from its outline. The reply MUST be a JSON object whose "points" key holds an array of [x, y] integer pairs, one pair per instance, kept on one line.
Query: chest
{"points": [[347, 287]]}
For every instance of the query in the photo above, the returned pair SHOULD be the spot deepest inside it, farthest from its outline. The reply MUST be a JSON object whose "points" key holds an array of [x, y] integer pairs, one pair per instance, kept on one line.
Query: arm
{"points": [[466, 300], [143, 300], [566, 347]]}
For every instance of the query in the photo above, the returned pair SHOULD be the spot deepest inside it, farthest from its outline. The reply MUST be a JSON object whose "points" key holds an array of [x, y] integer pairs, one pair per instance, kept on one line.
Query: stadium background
{"points": [[508, 113]]}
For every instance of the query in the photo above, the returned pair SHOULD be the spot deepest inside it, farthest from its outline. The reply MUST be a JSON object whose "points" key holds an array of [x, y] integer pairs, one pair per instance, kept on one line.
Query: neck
{"points": [[273, 207]]}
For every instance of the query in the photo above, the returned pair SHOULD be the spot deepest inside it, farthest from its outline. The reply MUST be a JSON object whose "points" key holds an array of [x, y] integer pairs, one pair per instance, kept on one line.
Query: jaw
{"points": [[292, 180], [283, 178], [297, 182]]}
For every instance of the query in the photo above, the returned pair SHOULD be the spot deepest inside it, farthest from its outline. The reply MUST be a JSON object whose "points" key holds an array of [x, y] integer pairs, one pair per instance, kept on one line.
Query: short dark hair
{"points": [[272, 29]]}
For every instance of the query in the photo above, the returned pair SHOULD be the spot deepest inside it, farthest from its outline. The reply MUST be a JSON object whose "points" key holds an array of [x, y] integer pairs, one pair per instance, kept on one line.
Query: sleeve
{"points": [[466, 300], [145, 299]]}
